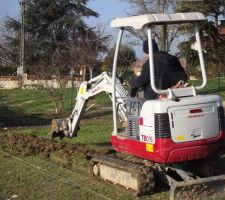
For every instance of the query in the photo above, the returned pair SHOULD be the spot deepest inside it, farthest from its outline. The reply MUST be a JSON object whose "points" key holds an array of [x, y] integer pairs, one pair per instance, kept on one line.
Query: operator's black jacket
{"points": [[164, 63]]}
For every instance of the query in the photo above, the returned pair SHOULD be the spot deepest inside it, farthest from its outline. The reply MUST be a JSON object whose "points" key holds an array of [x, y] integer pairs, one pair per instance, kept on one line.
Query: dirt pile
{"points": [[31, 145]]}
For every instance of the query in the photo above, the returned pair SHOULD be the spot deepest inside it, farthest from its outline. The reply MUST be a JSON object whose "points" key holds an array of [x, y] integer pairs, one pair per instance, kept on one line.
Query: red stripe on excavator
{"points": [[141, 121], [166, 151], [193, 111]]}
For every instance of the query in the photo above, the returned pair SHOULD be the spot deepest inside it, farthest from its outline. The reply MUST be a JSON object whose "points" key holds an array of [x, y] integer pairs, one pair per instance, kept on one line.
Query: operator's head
{"points": [[145, 46]]}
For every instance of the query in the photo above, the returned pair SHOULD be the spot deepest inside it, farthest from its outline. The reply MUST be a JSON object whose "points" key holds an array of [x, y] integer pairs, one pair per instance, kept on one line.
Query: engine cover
{"points": [[171, 131]]}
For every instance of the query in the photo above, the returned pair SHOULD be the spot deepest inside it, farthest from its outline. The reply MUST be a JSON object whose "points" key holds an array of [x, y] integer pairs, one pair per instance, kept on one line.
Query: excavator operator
{"points": [[164, 65]]}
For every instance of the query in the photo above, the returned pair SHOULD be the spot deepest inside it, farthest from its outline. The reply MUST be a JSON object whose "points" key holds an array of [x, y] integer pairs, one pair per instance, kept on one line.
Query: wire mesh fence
{"points": [[10, 119], [26, 107]]}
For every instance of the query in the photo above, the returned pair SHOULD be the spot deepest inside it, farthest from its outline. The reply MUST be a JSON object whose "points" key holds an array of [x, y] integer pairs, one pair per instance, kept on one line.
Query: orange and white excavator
{"points": [[170, 138]]}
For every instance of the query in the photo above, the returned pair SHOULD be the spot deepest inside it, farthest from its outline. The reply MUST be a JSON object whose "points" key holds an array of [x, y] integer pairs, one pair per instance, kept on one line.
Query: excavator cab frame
{"points": [[150, 21]]}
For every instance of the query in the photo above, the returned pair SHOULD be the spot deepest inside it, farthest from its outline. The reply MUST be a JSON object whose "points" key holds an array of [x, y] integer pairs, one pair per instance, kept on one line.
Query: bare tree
{"points": [[91, 47], [139, 7], [83, 53], [50, 78]]}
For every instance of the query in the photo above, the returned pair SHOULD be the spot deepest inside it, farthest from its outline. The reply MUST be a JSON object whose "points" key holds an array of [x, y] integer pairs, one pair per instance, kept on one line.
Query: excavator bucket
{"points": [[59, 128], [199, 189]]}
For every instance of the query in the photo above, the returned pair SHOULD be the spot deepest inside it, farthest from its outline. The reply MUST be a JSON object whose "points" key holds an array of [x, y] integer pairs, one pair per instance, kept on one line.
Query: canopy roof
{"points": [[138, 22]]}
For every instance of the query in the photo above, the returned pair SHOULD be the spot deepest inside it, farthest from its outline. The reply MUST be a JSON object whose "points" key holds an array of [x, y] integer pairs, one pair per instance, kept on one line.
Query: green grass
{"points": [[35, 178], [212, 87], [103, 100], [30, 102], [37, 102], [33, 101]]}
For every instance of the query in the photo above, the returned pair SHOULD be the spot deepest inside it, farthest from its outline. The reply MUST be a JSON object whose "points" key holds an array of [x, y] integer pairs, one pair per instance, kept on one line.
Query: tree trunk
{"points": [[91, 72], [84, 74]]}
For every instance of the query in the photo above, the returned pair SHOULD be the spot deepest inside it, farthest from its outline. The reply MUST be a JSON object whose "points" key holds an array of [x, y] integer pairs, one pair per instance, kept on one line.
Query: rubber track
{"points": [[145, 175]]}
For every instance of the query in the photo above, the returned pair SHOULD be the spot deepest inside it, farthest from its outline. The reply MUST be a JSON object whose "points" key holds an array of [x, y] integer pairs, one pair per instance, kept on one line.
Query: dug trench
{"points": [[63, 153]]}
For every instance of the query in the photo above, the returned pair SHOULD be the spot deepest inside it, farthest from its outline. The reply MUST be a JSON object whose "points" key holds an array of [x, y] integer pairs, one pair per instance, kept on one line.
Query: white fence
{"points": [[34, 82]]}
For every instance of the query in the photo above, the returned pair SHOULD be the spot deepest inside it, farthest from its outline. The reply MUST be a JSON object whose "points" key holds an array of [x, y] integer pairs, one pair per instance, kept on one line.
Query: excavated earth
{"points": [[31, 145]]}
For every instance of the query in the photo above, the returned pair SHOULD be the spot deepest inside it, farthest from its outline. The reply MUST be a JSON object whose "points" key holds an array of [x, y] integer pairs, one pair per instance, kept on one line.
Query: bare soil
{"points": [[31, 145]]}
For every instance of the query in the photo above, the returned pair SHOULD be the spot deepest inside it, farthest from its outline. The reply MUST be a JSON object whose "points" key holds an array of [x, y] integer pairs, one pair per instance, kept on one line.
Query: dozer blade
{"points": [[202, 188], [59, 128]]}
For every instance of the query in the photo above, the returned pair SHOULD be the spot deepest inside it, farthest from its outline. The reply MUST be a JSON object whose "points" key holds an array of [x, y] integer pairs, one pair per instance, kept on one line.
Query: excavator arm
{"points": [[88, 89]]}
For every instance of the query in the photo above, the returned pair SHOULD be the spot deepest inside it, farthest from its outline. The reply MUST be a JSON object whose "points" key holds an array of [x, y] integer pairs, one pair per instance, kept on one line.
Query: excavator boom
{"points": [[103, 83]]}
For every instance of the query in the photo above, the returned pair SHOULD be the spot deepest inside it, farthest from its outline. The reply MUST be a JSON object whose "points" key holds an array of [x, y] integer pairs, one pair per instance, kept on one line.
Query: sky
{"points": [[107, 9], [8, 8]]}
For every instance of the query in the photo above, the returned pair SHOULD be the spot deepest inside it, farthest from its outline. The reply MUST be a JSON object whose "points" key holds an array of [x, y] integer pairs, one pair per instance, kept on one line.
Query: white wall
{"points": [[34, 84]]}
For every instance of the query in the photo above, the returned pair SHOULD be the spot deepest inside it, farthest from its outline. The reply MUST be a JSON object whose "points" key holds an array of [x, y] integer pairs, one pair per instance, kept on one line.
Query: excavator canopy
{"points": [[138, 22]]}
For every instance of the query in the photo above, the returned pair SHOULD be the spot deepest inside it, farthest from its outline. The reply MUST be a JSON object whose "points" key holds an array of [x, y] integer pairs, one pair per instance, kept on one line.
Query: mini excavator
{"points": [[172, 137]]}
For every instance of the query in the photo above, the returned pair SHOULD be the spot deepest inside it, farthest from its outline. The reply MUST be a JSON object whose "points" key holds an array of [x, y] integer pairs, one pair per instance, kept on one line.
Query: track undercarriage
{"points": [[131, 175], [143, 176]]}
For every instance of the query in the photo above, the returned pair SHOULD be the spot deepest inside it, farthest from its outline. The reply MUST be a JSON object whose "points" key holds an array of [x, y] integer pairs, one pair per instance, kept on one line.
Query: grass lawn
{"points": [[33, 102], [214, 86], [34, 107], [35, 178], [36, 103]]}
